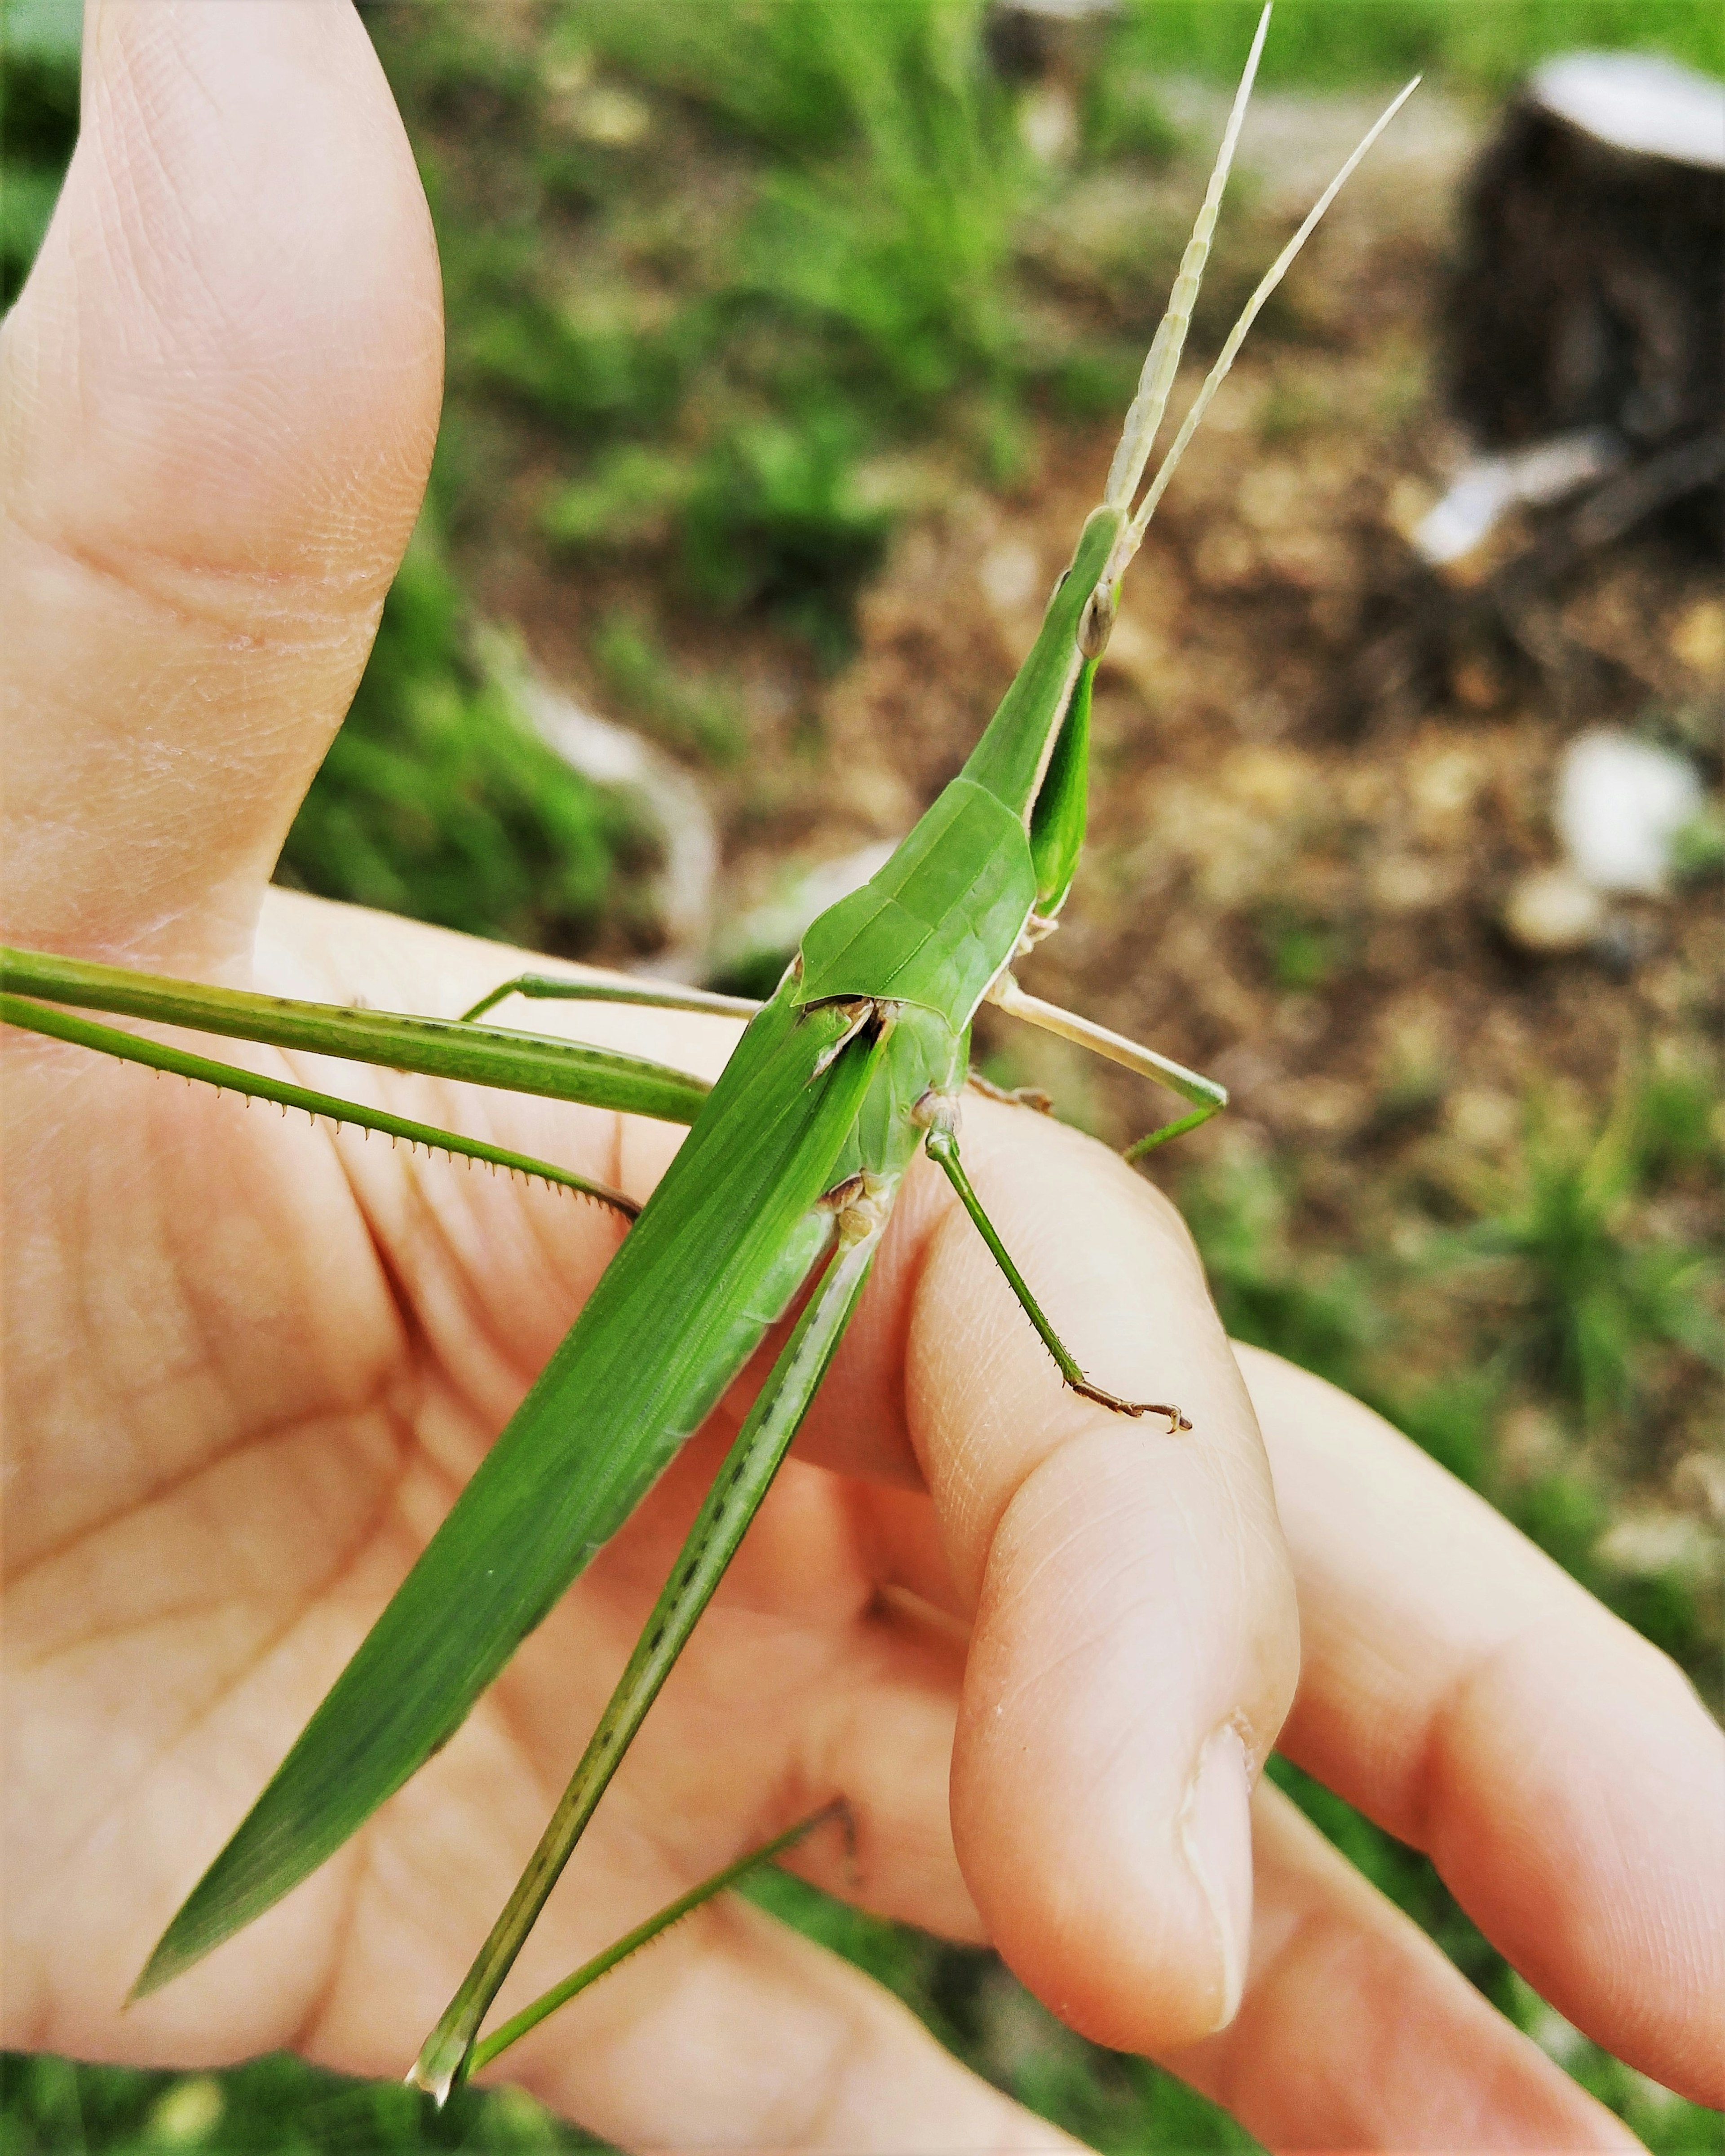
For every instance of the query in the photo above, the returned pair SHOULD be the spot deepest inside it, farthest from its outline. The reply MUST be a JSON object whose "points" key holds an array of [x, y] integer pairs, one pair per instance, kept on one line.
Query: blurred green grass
{"points": [[713, 399], [1322, 44], [439, 800], [1599, 1312]]}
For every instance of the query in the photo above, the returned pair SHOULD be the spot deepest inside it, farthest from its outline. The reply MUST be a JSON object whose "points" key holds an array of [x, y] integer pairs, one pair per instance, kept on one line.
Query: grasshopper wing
{"points": [[717, 1254]]}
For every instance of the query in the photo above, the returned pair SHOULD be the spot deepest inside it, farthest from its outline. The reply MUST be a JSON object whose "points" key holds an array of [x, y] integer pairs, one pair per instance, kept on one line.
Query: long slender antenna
{"points": [[1137, 438], [1132, 534]]}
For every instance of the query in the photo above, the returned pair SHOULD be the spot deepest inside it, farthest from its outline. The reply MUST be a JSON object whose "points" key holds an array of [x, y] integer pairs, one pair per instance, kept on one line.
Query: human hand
{"points": [[250, 1364]]}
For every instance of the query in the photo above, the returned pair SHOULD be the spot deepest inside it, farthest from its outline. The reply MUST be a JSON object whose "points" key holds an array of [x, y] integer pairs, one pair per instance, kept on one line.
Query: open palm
{"points": [[1041, 1653]]}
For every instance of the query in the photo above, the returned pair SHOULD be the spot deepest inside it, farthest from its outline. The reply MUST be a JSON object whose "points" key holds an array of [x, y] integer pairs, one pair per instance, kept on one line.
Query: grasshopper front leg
{"points": [[438, 1047], [937, 1114]]}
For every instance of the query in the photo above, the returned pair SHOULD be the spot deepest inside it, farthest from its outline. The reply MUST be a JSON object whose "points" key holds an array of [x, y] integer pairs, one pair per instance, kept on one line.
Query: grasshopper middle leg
{"points": [[1204, 1094]]}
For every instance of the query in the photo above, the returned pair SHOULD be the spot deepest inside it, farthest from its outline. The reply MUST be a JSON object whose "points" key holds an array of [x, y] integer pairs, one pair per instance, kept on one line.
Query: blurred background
{"points": [[788, 340]]}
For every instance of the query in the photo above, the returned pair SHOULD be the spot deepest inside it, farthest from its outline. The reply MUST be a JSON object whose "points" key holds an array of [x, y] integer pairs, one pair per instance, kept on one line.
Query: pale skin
{"points": [[1041, 1651]]}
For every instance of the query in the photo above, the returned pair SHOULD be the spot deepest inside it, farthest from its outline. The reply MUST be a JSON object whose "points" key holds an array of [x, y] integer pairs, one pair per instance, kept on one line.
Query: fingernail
{"points": [[1216, 1835]]}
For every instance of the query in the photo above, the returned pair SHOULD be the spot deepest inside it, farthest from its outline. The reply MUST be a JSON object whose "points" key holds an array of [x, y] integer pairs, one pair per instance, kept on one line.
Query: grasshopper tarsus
{"points": [[1177, 1423], [937, 1114], [1014, 1096]]}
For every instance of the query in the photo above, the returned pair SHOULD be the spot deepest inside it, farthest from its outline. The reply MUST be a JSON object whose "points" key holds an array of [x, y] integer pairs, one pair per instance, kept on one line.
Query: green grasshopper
{"points": [[785, 1185]]}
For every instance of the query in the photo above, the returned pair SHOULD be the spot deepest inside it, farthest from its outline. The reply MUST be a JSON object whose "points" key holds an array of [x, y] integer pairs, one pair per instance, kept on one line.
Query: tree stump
{"points": [[1591, 289]]}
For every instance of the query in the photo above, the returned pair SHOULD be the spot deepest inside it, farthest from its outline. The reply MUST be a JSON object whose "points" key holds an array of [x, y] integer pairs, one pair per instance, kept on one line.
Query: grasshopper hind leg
{"points": [[322, 1107]]}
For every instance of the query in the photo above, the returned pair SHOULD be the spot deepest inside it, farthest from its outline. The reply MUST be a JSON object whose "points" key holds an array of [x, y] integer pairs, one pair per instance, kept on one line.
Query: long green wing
{"points": [[720, 1249], [732, 1500]]}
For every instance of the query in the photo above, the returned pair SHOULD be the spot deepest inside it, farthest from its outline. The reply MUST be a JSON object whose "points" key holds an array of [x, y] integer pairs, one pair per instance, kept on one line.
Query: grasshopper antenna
{"points": [[1133, 532], [1137, 438]]}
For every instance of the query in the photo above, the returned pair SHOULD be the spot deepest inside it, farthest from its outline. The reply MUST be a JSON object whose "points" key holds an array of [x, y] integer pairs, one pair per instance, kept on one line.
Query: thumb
{"points": [[218, 393]]}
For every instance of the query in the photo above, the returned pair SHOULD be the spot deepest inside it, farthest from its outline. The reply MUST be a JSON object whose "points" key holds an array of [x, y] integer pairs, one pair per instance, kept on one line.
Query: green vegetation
{"points": [[773, 519], [1304, 954], [716, 277], [437, 799], [273, 2106], [712, 387], [1585, 1298], [39, 125], [1239, 1211], [685, 711], [1598, 1293]]}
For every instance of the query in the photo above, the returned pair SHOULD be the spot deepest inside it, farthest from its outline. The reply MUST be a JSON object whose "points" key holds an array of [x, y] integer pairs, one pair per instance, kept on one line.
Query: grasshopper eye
{"points": [[1098, 623]]}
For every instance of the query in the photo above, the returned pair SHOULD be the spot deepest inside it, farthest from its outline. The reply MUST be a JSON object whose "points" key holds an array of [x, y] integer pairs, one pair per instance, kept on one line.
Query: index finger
{"points": [[1135, 1643]]}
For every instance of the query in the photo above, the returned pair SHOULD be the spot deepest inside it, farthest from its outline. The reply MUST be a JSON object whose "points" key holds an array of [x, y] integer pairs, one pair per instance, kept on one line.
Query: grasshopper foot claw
{"points": [[1177, 1422], [1016, 1096]]}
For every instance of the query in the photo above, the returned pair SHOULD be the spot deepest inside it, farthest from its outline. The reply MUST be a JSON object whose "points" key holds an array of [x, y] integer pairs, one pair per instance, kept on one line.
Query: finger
{"points": [[1135, 1639], [220, 389], [1356, 2032], [1467, 1695]]}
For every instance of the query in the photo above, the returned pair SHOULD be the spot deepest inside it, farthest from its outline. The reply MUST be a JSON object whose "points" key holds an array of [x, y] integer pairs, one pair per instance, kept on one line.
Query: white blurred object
{"points": [[1554, 912], [1048, 121], [774, 929], [1010, 575], [1637, 101], [611, 756], [1620, 803], [1542, 472], [1651, 1543], [1066, 10]]}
